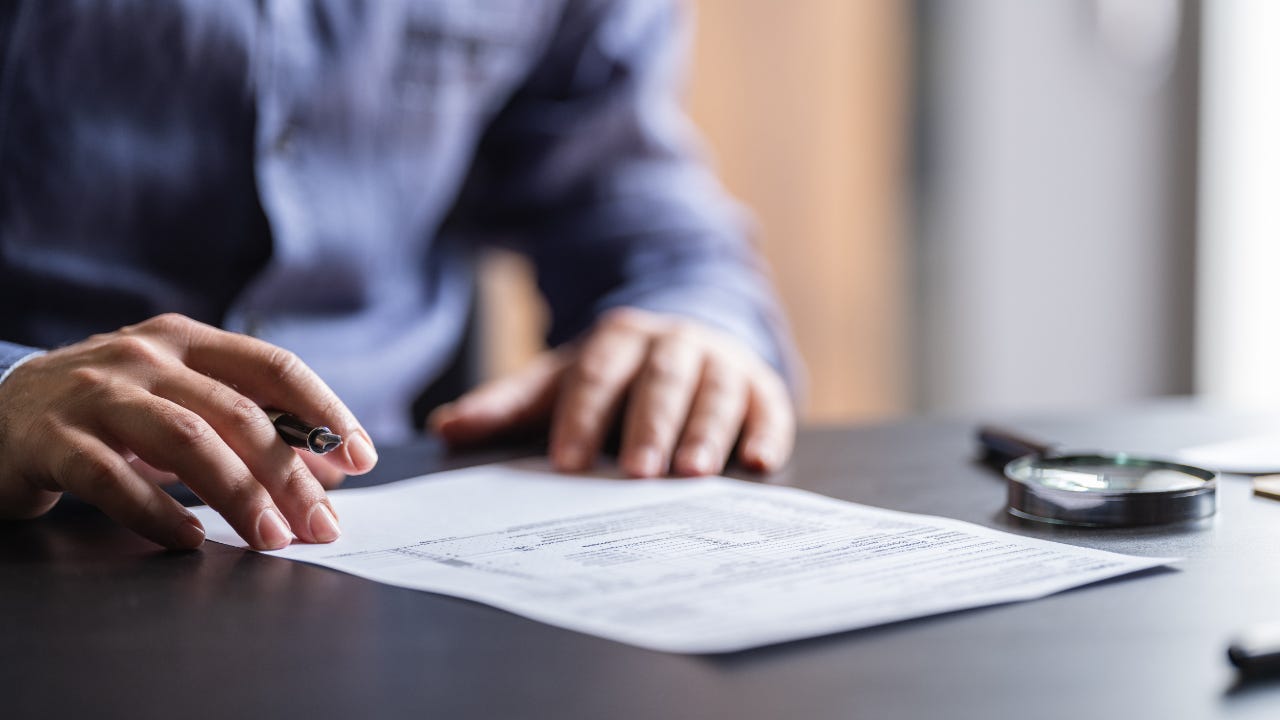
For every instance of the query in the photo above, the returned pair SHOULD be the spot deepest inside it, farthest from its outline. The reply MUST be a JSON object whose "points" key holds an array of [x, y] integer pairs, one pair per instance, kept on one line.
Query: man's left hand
{"points": [[686, 394]]}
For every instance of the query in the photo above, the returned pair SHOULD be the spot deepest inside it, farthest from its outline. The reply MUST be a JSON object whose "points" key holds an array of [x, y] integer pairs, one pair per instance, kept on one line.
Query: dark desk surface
{"points": [[96, 623]]}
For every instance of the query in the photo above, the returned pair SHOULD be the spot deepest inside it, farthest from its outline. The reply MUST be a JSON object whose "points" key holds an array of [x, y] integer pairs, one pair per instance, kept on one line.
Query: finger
{"points": [[714, 420], [515, 401], [325, 472], [591, 394], [177, 440], [272, 377], [768, 433], [249, 433], [100, 476], [659, 404], [151, 474], [146, 471]]}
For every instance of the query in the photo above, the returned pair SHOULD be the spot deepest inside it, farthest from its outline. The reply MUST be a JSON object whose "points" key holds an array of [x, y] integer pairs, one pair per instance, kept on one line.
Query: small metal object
{"points": [[1100, 489], [1267, 486], [319, 440]]}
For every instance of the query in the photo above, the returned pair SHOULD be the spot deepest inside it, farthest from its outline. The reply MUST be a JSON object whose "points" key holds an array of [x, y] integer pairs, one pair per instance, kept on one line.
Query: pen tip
{"points": [[325, 442]]}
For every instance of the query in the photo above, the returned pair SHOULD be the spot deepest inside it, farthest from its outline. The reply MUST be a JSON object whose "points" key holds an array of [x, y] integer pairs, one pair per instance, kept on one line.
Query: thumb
{"points": [[509, 403]]}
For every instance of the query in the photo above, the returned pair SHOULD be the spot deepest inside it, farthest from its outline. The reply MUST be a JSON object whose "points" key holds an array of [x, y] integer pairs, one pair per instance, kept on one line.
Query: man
{"points": [[316, 177]]}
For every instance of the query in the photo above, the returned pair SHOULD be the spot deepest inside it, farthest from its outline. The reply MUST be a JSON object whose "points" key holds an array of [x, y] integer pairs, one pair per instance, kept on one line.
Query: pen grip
{"points": [[1001, 446]]}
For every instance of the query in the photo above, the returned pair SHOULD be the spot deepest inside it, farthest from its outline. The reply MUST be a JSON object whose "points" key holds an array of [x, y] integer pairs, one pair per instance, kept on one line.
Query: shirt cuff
{"points": [[12, 356]]}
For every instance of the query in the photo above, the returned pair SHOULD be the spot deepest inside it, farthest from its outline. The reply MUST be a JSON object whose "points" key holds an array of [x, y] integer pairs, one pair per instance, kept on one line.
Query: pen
{"points": [[296, 433], [1256, 651]]}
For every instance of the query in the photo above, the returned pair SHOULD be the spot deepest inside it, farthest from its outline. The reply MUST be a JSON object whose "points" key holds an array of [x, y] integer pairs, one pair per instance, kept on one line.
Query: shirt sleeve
{"points": [[11, 356], [593, 169]]}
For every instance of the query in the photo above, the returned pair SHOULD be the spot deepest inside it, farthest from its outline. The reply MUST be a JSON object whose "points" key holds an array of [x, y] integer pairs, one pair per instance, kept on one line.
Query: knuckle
{"points": [[574, 423], [188, 431], [663, 365], [651, 427], [333, 412], [168, 322], [89, 471], [134, 350], [700, 435], [87, 380], [283, 364], [246, 414], [578, 424], [594, 368], [666, 365], [172, 328], [685, 330], [243, 499], [299, 482], [716, 424], [719, 381]]}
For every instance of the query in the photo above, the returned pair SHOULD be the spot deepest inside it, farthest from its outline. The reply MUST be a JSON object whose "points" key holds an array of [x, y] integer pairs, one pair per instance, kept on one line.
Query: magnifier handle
{"points": [[1003, 446]]}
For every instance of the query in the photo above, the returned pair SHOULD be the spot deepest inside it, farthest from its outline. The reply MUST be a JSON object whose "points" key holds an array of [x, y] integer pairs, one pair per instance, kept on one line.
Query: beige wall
{"points": [[802, 105]]}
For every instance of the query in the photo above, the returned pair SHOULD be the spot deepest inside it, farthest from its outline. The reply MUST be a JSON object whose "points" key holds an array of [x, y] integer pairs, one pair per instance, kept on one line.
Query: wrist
{"points": [[12, 358]]}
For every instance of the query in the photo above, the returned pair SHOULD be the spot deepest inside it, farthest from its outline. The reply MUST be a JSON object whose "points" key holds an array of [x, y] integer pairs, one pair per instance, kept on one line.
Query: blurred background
{"points": [[995, 205]]}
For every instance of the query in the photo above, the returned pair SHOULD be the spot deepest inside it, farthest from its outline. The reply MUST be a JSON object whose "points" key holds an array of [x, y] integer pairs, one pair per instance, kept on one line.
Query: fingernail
{"points": [[190, 534], [323, 525], [761, 454], [360, 451], [698, 460], [273, 531], [648, 462]]}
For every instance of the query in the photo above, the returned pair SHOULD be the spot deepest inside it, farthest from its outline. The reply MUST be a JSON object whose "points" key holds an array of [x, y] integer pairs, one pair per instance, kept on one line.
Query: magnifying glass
{"points": [[1097, 489]]}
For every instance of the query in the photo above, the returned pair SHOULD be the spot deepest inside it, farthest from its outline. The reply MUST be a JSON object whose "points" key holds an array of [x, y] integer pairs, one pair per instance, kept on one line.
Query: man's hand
{"points": [[685, 393], [169, 397]]}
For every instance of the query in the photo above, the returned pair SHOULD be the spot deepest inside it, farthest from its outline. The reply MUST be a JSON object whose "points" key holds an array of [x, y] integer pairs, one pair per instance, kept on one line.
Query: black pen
{"points": [[1256, 651], [296, 433]]}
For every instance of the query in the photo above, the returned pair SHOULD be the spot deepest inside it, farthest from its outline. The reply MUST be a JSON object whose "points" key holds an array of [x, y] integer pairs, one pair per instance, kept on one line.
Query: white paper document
{"points": [[683, 565], [1250, 455]]}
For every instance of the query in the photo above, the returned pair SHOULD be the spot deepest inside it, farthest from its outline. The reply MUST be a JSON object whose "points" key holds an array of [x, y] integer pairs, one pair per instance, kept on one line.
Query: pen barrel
{"points": [[293, 431]]}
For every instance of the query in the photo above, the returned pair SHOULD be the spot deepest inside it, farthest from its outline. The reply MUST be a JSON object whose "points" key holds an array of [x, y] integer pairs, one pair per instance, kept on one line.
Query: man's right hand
{"points": [[170, 395]]}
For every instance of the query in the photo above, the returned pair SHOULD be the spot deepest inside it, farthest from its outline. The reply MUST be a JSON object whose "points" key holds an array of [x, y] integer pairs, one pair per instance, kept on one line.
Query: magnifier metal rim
{"points": [[1108, 508]]}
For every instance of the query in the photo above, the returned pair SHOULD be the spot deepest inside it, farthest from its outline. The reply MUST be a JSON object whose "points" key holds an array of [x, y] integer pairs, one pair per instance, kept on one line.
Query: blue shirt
{"points": [[321, 174]]}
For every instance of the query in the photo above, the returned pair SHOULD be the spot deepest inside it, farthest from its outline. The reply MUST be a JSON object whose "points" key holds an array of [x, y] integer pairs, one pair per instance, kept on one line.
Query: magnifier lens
{"points": [[1115, 476], [1108, 490]]}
